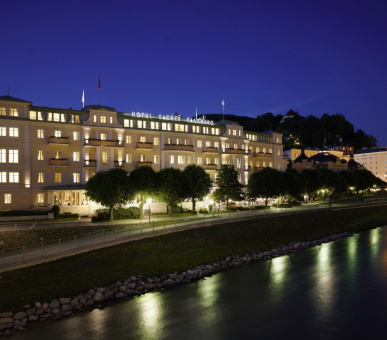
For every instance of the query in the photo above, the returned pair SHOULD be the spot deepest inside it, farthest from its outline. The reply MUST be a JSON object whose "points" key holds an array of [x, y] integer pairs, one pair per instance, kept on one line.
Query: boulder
{"points": [[120, 295], [98, 297], [6, 315], [33, 318], [64, 301], [54, 304], [5, 320], [20, 315], [168, 282]]}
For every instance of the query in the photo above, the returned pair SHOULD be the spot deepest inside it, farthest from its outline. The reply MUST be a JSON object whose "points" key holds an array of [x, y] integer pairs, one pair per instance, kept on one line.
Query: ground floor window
{"points": [[7, 198]]}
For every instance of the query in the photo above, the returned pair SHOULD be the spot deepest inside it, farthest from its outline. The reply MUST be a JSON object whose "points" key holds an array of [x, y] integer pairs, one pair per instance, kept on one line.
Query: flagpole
{"points": [[99, 90], [223, 106]]}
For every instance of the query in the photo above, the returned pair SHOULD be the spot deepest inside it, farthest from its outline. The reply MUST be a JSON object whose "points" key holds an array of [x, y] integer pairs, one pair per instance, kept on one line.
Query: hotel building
{"points": [[374, 160], [48, 154]]}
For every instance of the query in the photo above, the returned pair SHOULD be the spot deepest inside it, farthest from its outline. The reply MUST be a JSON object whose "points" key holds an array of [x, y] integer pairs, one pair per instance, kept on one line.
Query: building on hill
{"points": [[374, 160], [48, 154]]}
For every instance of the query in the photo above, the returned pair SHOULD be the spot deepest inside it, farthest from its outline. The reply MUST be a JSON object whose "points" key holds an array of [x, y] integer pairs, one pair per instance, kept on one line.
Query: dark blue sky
{"points": [[161, 57]]}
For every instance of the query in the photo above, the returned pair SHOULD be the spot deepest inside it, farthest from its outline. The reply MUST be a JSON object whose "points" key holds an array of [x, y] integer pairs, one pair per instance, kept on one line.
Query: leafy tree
{"points": [[365, 179], [312, 181], [311, 132], [172, 187], [293, 183], [200, 183], [143, 179], [332, 181], [228, 184], [266, 183], [110, 188]]}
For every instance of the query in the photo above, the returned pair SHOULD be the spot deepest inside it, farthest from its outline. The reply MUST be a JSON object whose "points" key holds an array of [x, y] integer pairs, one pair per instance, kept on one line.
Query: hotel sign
{"points": [[176, 118]]}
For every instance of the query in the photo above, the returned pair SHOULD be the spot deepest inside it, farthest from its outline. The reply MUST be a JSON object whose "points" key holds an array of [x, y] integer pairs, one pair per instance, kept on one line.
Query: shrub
{"points": [[24, 212], [203, 211], [118, 214], [55, 210]]}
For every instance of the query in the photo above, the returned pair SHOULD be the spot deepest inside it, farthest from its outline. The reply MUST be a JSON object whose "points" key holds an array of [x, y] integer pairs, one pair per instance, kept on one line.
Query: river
{"points": [[333, 291]]}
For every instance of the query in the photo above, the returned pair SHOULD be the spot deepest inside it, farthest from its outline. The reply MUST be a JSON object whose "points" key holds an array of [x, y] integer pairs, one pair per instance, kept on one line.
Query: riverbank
{"points": [[204, 250]]}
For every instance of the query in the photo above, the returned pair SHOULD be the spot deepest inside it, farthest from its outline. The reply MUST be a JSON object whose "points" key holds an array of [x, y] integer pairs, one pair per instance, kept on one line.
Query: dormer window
{"points": [[13, 112]]}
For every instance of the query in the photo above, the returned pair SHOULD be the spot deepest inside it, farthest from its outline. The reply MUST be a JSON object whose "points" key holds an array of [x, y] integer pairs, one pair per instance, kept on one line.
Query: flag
{"points": [[83, 98], [99, 83]]}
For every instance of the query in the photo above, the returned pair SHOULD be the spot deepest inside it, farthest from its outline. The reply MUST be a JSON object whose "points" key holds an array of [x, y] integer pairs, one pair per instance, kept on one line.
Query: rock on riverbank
{"points": [[136, 285]]}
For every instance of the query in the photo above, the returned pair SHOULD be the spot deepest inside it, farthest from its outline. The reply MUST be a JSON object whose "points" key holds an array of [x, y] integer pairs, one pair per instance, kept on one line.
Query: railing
{"points": [[178, 147], [210, 166], [237, 151], [140, 164], [119, 164], [262, 154], [58, 162], [144, 145], [258, 168], [102, 142], [58, 140], [210, 149], [91, 163]]}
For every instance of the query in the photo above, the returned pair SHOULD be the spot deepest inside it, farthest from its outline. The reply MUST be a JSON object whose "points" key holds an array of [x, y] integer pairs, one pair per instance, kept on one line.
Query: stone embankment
{"points": [[64, 307]]}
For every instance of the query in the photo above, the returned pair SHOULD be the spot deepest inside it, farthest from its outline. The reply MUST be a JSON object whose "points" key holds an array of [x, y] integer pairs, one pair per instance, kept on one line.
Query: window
{"points": [[128, 158], [208, 144], [40, 155], [156, 141], [216, 144], [13, 156], [208, 160], [178, 141], [58, 177], [95, 119], [239, 133], [180, 159], [58, 133], [128, 139], [200, 160], [103, 136], [102, 119], [63, 118], [76, 156], [76, 177], [3, 156], [40, 198], [3, 177], [142, 139], [40, 177], [234, 132], [58, 154], [13, 132], [56, 117], [14, 177], [128, 123], [3, 131], [104, 157], [155, 125], [76, 135], [199, 143], [3, 111], [195, 129], [142, 158], [156, 159], [169, 141], [111, 120], [13, 112], [40, 133], [49, 116], [171, 159], [216, 161], [239, 163], [141, 124], [7, 198]]}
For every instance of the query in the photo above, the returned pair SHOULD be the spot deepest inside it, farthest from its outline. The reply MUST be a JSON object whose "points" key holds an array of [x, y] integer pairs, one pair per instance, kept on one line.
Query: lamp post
{"points": [[149, 200]]}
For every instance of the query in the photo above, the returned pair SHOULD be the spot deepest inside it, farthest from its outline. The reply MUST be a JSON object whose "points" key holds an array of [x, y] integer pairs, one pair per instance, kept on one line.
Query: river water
{"points": [[333, 291]]}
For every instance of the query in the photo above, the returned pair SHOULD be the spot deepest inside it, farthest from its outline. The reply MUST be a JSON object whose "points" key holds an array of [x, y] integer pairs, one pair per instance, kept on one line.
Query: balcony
{"points": [[58, 140], [247, 167], [59, 162], [140, 164], [262, 154], [179, 147], [210, 149], [258, 168], [237, 151], [90, 163], [144, 145], [119, 164], [102, 142], [210, 166]]}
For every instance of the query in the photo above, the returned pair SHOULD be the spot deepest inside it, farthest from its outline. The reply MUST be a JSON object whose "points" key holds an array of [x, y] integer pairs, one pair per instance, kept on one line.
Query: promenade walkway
{"points": [[128, 230]]}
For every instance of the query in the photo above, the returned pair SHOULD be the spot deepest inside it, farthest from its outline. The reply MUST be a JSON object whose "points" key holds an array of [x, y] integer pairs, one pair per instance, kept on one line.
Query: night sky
{"points": [[161, 57]]}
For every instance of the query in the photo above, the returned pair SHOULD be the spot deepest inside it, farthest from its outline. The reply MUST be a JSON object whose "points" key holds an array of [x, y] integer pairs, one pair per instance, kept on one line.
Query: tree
{"points": [[110, 188], [171, 187], [293, 183], [266, 183], [228, 184], [311, 180], [143, 179], [200, 183], [331, 181]]}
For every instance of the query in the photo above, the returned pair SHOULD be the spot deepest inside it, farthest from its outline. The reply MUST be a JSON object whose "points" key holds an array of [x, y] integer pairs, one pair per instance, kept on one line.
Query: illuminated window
{"points": [[142, 158], [7, 198], [155, 125], [181, 127], [200, 160], [216, 144], [76, 156], [156, 159], [199, 143], [40, 198], [76, 177], [3, 111], [63, 118], [95, 119], [56, 117], [58, 177], [208, 144], [14, 177], [40, 116], [13, 132], [49, 116], [128, 158], [40, 155], [156, 141], [104, 158], [180, 159], [13, 112], [3, 156], [178, 141], [58, 133], [163, 126], [103, 136], [208, 160], [234, 132], [171, 159], [216, 161], [206, 130], [239, 163], [3, 177], [13, 156], [40, 133], [33, 115], [58, 154], [128, 139], [142, 139], [76, 135], [40, 177], [111, 120], [102, 119], [3, 131]]}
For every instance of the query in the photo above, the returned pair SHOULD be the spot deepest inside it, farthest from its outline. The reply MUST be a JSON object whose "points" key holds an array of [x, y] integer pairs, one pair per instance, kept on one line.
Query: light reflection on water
{"points": [[150, 313]]}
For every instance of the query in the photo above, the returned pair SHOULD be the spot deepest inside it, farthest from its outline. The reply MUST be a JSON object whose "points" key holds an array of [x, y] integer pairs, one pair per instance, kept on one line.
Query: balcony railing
{"points": [[58, 162], [210, 149], [262, 154], [119, 164], [102, 142], [237, 151], [178, 147], [144, 145], [247, 167], [90, 163], [210, 166], [140, 164], [258, 168], [58, 140]]}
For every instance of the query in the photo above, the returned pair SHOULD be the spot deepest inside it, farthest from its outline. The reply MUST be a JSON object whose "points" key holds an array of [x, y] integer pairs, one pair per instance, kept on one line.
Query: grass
{"points": [[178, 251]]}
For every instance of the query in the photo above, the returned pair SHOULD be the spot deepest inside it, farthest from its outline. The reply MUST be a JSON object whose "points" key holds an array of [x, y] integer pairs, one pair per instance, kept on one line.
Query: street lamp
{"points": [[149, 200]]}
